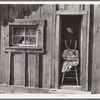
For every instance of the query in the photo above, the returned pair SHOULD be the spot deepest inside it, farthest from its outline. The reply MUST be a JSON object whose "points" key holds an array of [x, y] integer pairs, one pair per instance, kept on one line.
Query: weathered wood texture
{"points": [[53, 83], [5, 89], [3, 67], [74, 7], [34, 70], [47, 15], [83, 52], [91, 45], [30, 71], [34, 11], [22, 11], [88, 56], [18, 69], [57, 51], [84, 61], [96, 51], [17, 62]]}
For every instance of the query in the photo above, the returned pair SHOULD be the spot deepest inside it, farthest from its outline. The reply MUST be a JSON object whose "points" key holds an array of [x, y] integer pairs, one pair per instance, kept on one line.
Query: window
{"points": [[26, 34]]}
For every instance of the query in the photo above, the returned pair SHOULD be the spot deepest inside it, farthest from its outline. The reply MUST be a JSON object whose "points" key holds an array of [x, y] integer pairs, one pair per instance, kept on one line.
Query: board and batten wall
{"points": [[32, 69], [28, 69]]}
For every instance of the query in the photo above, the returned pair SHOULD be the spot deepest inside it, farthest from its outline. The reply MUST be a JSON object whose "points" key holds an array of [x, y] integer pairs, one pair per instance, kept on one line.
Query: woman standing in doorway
{"points": [[70, 54]]}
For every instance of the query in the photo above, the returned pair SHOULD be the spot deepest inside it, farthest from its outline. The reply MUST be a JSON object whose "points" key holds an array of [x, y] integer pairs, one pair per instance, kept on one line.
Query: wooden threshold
{"points": [[13, 89], [69, 89]]}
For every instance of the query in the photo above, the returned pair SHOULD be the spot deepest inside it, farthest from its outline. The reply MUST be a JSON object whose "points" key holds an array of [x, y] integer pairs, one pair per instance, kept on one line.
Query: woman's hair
{"points": [[70, 30]]}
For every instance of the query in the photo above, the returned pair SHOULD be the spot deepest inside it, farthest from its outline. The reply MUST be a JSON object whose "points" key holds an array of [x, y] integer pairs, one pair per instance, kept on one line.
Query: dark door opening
{"points": [[70, 32]]}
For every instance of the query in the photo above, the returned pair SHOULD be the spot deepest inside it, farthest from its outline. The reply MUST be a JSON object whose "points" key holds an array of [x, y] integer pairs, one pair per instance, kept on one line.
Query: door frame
{"points": [[84, 47]]}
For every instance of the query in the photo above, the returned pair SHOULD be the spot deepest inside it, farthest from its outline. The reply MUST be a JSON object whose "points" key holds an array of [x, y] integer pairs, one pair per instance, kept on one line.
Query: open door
{"points": [[82, 45], [70, 40]]}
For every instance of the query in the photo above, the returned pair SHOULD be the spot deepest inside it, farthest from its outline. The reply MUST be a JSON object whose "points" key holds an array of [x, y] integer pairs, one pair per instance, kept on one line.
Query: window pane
{"points": [[18, 40], [30, 40], [30, 31], [18, 30]]}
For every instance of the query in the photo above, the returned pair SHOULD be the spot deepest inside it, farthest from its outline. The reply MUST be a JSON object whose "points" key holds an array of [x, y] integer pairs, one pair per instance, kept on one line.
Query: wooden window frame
{"points": [[39, 24], [24, 35]]}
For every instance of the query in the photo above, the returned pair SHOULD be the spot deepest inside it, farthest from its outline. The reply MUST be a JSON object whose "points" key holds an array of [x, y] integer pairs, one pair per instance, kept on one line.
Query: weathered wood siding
{"points": [[46, 13], [24, 69], [71, 7], [18, 68], [32, 69], [95, 32]]}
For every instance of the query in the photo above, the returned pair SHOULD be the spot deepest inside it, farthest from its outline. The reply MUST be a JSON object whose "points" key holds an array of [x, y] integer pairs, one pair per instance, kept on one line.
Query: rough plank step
{"points": [[66, 91], [21, 89], [69, 89]]}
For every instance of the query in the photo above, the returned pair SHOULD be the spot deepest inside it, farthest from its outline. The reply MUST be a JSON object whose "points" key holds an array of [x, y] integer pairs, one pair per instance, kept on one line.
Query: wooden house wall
{"points": [[75, 7], [27, 69], [95, 48], [38, 70]]}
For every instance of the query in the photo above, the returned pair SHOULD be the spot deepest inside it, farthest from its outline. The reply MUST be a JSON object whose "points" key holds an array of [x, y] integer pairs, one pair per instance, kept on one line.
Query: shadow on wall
{"points": [[11, 12], [22, 12], [91, 45]]}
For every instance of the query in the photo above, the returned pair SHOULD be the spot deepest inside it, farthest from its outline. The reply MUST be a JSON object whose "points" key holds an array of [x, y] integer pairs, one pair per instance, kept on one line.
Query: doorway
{"points": [[83, 44], [73, 23]]}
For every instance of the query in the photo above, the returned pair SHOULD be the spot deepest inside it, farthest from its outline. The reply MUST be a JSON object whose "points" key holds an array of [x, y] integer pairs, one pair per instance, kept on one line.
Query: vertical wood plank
{"points": [[8, 69], [66, 6], [37, 71], [81, 7], [83, 52], [23, 67], [19, 69], [57, 51], [32, 70], [23, 10], [46, 14], [34, 11], [3, 67], [0, 50], [88, 70], [29, 71], [13, 11], [96, 51], [4, 12], [53, 46]]}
